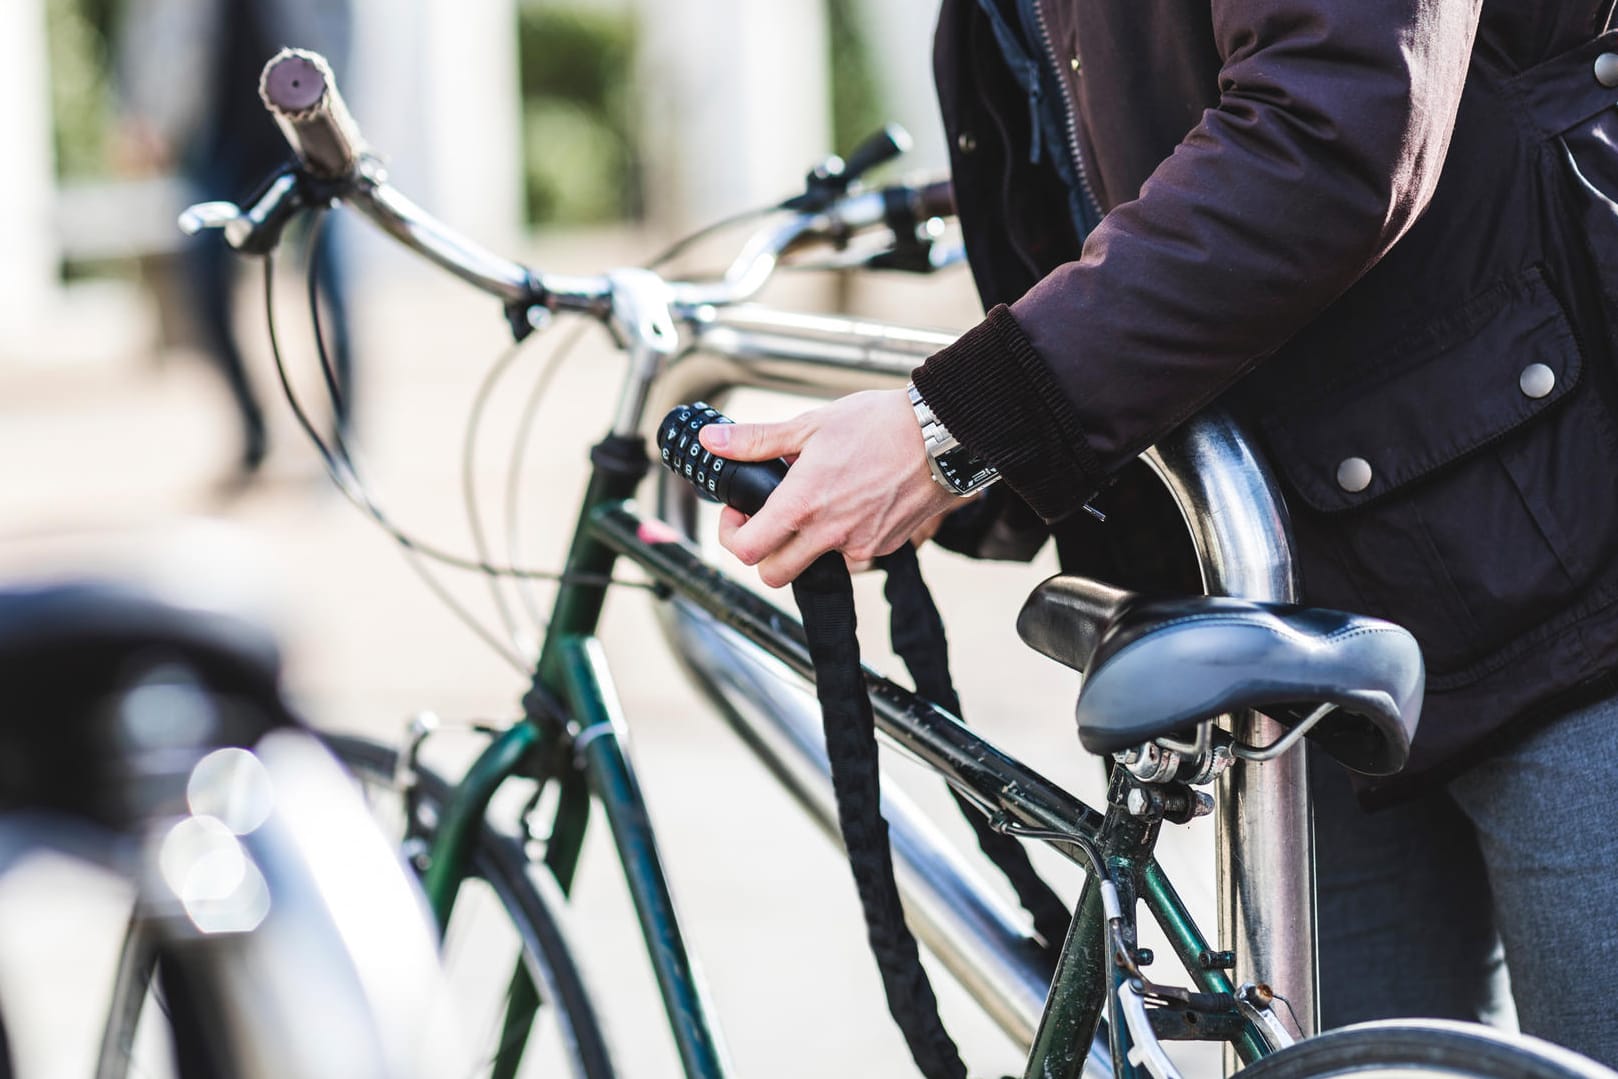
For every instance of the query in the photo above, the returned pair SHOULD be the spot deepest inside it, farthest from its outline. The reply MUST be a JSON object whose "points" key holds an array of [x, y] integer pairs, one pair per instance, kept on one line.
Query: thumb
{"points": [[754, 441]]}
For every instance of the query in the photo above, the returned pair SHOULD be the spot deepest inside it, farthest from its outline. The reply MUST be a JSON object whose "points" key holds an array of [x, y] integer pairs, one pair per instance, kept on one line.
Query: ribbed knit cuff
{"points": [[995, 394]]}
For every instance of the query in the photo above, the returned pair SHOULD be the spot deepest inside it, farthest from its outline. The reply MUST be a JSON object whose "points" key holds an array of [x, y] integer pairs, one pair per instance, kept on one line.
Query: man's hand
{"points": [[860, 484]]}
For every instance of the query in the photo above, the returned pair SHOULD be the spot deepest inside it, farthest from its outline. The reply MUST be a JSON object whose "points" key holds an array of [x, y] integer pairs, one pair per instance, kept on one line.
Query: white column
{"points": [[471, 116], [899, 34], [434, 87], [28, 249], [736, 103], [385, 89]]}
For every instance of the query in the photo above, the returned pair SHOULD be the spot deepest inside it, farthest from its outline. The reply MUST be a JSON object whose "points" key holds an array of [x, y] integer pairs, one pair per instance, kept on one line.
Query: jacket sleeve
{"points": [[1331, 127]]}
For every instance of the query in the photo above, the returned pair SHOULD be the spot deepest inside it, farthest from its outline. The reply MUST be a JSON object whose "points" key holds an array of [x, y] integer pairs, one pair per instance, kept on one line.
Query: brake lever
{"points": [[208, 215], [257, 229], [830, 180]]}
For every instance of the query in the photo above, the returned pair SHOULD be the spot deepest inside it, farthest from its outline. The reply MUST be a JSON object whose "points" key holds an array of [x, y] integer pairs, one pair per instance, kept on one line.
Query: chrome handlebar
{"points": [[299, 89], [511, 282], [256, 229]]}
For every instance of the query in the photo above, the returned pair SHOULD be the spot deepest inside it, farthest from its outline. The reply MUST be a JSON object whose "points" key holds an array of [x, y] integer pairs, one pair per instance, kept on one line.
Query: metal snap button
{"points": [[1606, 69], [1537, 380], [967, 142], [1354, 474]]}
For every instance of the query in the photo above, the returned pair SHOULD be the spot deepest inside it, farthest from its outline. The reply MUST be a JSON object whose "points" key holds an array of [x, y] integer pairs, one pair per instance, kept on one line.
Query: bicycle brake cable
{"points": [[541, 386], [469, 489], [342, 469], [691, 239], [357, 490], [519, 451]]}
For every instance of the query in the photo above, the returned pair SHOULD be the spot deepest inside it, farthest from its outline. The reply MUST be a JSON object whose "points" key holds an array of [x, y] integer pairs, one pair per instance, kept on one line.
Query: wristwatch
{"points": [[953, 465]]}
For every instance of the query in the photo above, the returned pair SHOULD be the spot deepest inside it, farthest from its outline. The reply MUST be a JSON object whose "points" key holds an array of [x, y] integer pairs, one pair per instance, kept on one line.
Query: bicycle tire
{"points": [[500, 861], [1424, 1049]]}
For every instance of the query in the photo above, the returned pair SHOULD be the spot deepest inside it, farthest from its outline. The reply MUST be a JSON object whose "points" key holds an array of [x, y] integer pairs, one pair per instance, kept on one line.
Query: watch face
{"points": [[965, 472]]}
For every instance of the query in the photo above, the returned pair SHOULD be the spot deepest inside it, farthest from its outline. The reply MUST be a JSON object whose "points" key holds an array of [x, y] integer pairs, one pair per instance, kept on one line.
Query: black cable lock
{"points": [[916, 630], [825, 598]]}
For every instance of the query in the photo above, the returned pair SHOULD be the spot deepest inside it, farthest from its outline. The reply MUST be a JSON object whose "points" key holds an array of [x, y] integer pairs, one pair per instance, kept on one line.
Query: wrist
{"points": [[954, 467]]}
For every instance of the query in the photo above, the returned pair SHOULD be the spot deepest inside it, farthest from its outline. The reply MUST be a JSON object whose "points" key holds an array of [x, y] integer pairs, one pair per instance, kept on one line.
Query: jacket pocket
{"points": [[1570, 104], [1463, 485]]}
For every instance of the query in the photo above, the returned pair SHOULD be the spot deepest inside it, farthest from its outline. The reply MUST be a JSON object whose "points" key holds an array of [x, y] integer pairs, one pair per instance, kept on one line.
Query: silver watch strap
{"points": [[938, 443]]}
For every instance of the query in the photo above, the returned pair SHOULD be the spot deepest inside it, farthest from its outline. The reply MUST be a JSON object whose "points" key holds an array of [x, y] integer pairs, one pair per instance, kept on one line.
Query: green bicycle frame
{"points": [[1230, 504], [572, 738]]}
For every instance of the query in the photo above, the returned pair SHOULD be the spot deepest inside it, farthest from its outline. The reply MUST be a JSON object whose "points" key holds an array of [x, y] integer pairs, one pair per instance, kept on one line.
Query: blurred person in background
{"points": [[188, 103]]}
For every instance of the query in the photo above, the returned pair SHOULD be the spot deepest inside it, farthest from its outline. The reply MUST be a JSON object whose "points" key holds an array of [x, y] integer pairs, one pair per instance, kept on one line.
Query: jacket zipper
{"points": [[1070, 113]]}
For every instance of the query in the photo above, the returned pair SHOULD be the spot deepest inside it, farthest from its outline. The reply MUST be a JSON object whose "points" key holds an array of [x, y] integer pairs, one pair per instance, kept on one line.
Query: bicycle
{"points": [[1362, 696], [150, 738]]}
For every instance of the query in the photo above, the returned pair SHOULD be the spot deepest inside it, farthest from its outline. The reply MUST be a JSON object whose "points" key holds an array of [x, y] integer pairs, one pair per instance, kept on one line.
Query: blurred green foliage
{"points": [[578, 91], [857, 109], [77, 35], [578, 87]]}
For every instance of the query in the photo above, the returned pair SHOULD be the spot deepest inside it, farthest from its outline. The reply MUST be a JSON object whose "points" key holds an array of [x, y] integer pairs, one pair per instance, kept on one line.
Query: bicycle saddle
{"points": [[1155, 667]]}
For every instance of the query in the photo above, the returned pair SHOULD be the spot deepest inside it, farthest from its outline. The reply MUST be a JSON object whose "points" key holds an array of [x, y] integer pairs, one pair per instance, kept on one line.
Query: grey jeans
{"points": [[1423, 908]]}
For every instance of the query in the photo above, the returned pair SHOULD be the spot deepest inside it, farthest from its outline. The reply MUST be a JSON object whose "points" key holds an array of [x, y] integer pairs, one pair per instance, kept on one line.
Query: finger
{"points": [[858, 565], [757, 538], [755, 441], [730, 519], [783, 565], [768, 530]]}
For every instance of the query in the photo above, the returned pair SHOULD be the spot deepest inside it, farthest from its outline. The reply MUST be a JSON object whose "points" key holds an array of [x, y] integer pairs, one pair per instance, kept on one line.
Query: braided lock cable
{"points": [[917, 632], [825, 597]]}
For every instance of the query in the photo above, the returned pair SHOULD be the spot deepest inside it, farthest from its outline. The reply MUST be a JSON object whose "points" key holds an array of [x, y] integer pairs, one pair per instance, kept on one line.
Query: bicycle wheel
{"points": [[503, 915], [1424, 1049]]}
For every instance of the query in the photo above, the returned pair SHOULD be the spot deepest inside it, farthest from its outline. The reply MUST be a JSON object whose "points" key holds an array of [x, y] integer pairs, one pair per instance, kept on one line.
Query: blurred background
{"points": [[142, 429]]}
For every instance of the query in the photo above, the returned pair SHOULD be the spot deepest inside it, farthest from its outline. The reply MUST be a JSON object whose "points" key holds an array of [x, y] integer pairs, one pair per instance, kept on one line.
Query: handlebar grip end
{"points": [[300, 91], [878, 148], [294, 81]]}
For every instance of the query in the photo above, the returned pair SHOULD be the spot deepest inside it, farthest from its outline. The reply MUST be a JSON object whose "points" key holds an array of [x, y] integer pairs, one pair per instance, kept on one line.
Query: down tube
{"points": [[594, 702], [985, 948]]}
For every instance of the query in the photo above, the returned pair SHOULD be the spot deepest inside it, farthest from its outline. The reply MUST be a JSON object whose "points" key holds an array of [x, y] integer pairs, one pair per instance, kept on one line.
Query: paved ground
{"points": [[101, 457]]}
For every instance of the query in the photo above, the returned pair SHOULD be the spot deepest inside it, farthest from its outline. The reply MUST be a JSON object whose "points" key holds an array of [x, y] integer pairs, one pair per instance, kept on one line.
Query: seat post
{"points": [[1264, 833]]}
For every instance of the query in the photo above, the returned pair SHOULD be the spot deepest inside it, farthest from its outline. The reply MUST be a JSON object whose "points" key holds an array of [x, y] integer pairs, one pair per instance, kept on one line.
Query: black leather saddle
{"points": [[1156, 667], [67, 653]]}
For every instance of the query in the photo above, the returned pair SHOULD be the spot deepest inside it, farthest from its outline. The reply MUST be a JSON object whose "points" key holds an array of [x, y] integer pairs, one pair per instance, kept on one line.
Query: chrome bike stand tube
{"points": [[1265, 833]]}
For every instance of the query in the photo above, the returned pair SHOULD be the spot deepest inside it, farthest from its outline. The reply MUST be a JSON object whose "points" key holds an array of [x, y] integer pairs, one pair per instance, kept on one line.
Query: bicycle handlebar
{"points": [[300, 91]]}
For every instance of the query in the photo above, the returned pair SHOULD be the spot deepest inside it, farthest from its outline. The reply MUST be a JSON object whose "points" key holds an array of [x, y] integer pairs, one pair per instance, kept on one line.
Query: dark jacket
{"points": [[1375, 229]]}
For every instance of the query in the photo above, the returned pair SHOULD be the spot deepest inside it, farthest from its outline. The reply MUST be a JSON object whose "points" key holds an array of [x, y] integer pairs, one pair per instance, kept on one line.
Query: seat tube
{"points": [[1264, 834], [619, 465]]}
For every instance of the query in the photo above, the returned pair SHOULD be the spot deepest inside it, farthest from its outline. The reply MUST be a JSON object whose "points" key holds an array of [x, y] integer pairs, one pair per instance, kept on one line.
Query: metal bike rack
{"points": [[1243, 542]]}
